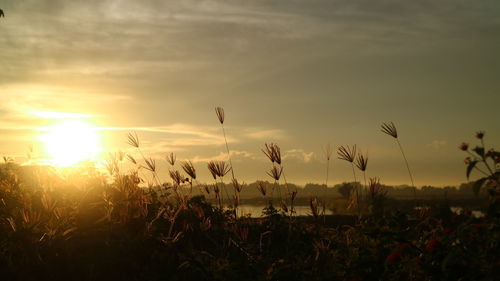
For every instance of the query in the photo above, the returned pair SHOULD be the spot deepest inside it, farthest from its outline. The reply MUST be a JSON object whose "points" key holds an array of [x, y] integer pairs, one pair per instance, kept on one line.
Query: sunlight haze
{"points": [[77, 76]]}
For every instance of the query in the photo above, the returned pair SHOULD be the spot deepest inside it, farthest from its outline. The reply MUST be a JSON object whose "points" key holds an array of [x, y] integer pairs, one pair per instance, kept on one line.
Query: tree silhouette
{"points": [[346, 188]]}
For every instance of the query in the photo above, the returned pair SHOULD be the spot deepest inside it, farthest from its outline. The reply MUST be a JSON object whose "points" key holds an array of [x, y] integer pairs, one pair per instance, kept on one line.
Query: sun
{"points": [[71, 141]]}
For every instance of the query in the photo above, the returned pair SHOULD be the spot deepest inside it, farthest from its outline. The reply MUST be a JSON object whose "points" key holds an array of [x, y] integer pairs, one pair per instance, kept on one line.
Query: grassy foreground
{"points": [[85, 225]]}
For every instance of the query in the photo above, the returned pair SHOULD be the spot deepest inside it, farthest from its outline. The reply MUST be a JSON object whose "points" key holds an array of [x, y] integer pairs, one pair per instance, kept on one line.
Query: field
{"points": [[86, 224]]}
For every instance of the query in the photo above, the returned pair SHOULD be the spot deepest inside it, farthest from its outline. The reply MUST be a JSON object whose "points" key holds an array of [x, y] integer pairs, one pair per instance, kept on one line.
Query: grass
{"points": [[390, 129], [91, 225]]}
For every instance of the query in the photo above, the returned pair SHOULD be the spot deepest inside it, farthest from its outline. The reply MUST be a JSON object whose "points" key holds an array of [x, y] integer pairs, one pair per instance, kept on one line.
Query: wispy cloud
{"points": [[299, 154], [196, 135], [235, 156], [265, 134]]}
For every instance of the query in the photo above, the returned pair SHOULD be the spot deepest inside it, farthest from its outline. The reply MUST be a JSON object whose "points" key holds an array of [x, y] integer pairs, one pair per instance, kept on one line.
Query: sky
{"points": [[301, 73]]}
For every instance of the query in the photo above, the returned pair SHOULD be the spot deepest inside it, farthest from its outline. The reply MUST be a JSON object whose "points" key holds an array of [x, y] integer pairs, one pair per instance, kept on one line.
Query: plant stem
{"points": [[286, 184], [326, 189], [225, 190], [356, 187], [365, 187], [227, 149], [354, 173], [327, 171], [408, 168]]}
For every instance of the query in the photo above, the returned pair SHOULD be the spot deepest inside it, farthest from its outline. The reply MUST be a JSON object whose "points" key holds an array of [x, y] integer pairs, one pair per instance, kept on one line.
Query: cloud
{"points": [[437, 144], [299, 154], [235, 156], [182, 134], [106, 39], [263, 134]]}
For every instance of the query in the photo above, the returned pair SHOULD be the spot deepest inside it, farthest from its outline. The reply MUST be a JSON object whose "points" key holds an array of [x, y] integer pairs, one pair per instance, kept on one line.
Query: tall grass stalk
{"points": [[133, 140], [349, 154], [220, 115], [362, 164], [328, 154], [390, 129]]}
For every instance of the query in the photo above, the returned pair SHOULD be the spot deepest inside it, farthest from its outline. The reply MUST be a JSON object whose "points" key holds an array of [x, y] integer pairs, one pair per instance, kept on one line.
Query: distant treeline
{"points": [[46, 175], [250, 191]]}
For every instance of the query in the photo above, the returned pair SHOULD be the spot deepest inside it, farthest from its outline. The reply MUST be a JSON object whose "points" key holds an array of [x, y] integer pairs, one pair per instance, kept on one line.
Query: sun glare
{"points": [[71, 141]]}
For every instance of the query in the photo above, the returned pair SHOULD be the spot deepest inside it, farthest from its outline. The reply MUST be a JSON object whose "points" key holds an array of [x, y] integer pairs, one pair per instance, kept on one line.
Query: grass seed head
{"points": [[375, 187], [262, 187], [362, 162], [171, 158], [131, 159], [273, 152], [207, 188], [275, 173], [218, 168], [133, 139], [347, 153], [220, 114], [176, 177], [150, 164], [390, 129], [188, 167], [216, 191]]}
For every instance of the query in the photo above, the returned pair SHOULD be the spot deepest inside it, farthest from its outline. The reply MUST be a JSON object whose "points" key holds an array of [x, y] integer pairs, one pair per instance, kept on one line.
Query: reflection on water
{"points": [[256, 210], [475, 213], [304, 210]]}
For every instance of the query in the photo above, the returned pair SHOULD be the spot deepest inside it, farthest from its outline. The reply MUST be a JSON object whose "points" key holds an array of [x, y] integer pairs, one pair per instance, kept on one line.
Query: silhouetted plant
{"points": [[390, 129], [349, 154], [362, 164], [220, 115], [489, 159]]}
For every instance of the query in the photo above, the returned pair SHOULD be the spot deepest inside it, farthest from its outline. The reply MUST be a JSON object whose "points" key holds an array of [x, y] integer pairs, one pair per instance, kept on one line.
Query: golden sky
{"points": [[300, 73]]}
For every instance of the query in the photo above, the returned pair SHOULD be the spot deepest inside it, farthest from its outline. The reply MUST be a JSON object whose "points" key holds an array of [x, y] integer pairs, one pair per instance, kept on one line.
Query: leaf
{"points": [[470, 167], [479, 151], [478, 184]]}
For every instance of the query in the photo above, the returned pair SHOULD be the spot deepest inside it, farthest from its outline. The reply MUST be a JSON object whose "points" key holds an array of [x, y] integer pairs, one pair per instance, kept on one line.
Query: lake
{"points": [[255, 211]]}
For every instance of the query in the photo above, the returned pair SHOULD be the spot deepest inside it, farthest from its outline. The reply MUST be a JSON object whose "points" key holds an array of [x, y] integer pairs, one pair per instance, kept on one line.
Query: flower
{"points": [[480, 135], [464, 146], [467, 160]]}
